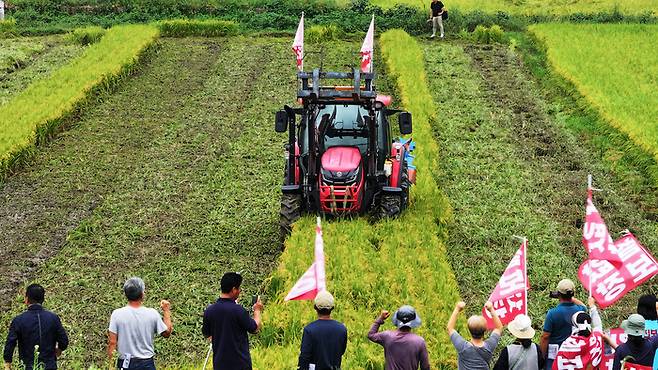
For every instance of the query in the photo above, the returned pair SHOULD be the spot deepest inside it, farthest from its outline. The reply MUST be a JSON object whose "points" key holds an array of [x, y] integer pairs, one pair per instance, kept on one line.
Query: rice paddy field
{"points": [[156, 156]]}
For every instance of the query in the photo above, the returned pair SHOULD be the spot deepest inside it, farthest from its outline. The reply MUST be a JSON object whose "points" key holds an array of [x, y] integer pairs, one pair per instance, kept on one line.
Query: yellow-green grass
{"points": [[615, 67], [374, 267], [532, 7], [41, 106]]}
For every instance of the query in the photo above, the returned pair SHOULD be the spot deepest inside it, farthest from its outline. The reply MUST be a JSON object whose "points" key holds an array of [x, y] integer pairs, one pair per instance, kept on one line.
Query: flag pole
{"points": [[589, 260], [524, 241]]}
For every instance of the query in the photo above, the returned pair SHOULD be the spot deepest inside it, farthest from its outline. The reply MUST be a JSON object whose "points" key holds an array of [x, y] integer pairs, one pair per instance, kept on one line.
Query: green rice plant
{"points": [[488, 35], [374, 267], [317, 34], [8, 28], [15, 53], [622, 89], [86, 35], [193, 27], [33, 115]]}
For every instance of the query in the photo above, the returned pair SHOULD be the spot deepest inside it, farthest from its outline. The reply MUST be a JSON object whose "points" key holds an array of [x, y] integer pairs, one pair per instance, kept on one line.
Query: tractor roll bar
{"points": [[312, 89]]}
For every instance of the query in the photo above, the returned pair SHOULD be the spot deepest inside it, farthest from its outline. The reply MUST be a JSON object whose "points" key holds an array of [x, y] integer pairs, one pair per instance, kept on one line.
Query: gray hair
{"points": [[134, 288]]}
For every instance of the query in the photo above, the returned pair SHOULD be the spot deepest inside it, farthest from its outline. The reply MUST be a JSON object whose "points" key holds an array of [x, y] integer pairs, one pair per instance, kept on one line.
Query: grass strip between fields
{"points": [[32, 115], [371, 267], [624, 96]]}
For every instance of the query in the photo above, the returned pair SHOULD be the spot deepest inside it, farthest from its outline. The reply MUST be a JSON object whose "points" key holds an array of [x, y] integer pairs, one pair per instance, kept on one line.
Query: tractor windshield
{"points": [[347, 128]]}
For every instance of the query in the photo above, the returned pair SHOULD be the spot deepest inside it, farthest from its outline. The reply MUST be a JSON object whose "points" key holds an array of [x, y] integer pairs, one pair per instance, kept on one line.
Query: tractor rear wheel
{"points": [[291, 211], [390, 206]]}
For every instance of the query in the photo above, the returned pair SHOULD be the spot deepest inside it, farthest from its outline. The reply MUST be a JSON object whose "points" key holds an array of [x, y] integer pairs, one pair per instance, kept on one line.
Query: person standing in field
{"points": [[436, 15], [637, 350], [476, 354], [133, 327], [403, 350], [522, 354], [227, 324], [557, 325], [583, 349], [36, 330], [324, 340]]}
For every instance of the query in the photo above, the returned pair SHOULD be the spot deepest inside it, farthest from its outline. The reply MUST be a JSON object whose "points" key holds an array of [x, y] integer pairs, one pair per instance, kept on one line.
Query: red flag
{"points": [[510, 296], [314, 279], [298, 44], [367, 48], [596, 238], [612, 281], [618, 337]]}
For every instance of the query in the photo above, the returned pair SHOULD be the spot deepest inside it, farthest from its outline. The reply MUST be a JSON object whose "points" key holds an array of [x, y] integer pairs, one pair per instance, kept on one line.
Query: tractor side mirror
{"points": [[405, 123], [281, 121]]}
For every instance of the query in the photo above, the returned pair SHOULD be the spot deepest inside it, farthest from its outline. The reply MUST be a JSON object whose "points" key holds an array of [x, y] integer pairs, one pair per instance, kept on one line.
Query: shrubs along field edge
{"points": [[40, 109]]}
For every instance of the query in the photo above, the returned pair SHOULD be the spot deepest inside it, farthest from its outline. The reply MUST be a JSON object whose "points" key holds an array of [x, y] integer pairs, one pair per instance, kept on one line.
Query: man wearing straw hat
{"points": [[522, 354], [403, 350]]}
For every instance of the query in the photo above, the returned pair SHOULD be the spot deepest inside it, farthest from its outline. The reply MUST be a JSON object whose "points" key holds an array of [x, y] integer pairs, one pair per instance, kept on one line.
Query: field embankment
{"points": [[39, 109], [615, 67], [174, 177], [378, 266], [510, 166]]}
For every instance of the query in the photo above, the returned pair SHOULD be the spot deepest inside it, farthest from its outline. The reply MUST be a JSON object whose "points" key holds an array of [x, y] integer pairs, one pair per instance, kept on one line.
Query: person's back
{"points": [[637, 349], [403, 350], [521, 358], [558, 321], [471, 357], [135, 328], [228, 324], [327, 343]]}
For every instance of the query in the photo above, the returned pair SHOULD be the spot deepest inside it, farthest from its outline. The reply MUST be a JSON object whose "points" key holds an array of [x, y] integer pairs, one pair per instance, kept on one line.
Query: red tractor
{"points": [[341, 157]]}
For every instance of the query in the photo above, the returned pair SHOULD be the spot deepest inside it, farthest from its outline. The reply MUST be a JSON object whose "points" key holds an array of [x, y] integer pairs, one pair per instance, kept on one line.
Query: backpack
{"points": [[444, 16]]}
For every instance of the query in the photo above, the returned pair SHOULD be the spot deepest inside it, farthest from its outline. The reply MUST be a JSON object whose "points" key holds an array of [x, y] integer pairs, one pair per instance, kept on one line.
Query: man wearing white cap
{"points": [[522, 354], [403, 350], [324, 340], [557, 325]]}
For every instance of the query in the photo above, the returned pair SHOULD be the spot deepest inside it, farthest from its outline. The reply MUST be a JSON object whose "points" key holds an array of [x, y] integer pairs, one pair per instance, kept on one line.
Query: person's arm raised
{"points": [[452, 323], [166, 317], [498, 325], [258, 314]]}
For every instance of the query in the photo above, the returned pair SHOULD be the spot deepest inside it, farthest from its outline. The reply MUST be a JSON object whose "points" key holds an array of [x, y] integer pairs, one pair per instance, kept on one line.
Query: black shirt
{"points": [[437, 7], [24, 331], [228, 323], [323, 344]]}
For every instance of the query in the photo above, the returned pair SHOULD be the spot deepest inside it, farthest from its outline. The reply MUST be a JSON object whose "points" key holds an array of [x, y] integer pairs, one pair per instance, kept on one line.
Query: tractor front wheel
{"points": [[291, 211], [390, 206]]}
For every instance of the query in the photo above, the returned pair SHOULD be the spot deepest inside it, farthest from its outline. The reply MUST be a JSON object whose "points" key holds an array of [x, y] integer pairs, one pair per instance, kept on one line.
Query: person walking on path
{"points": [[36, 329], [436, 15], [637, 350], [476, 354], [324, 340], [522, 354], [557, 325], [403, 350], [133, 327], [227, 323]]}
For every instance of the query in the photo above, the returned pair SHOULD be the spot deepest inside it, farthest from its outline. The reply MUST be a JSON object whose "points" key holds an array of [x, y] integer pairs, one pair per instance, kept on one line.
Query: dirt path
{"points": [[511, 167]]}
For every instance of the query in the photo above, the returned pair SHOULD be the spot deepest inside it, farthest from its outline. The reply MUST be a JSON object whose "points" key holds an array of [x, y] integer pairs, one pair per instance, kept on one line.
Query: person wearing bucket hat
{"points": [[324, 340], [637, 349], [403, 350], [522, 354], [557, 325], [478, 352]]}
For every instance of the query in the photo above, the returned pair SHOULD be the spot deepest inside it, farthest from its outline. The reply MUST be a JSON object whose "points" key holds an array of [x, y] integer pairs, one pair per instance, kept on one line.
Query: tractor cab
{"points": [[341, 157]]}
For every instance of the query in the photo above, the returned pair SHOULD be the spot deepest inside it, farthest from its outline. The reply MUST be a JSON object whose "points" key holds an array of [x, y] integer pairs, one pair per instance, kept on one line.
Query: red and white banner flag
{"points": [[314, 279], [611, 281], [510, 297], [596, 238], [618, 337], [578, 352], [367, 49], [298, 44]]}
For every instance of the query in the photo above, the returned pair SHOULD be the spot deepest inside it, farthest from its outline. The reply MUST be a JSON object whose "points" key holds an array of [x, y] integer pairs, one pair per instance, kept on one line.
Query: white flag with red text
{"points": [[596, 238], [611, 281], [314, 279], [298, 44], [510, 296], [367, 49]]}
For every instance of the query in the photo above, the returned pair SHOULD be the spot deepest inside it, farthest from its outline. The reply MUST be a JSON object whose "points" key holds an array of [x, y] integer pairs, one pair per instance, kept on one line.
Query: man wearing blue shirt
{"points": [[38, 328], [557, 326]]}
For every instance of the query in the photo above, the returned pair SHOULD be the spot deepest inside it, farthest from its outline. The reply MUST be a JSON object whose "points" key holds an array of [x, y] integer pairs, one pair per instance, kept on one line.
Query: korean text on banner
{"points": [[596, 238], [510, 297]]}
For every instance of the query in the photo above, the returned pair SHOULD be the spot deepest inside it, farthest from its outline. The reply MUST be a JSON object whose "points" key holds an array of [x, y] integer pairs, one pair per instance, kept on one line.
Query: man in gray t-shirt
{"points": [[476, 354], [133, 327]]}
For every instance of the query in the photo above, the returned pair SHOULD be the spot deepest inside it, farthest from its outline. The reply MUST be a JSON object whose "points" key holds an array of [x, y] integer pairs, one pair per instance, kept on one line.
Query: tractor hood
{"points": [[341, 164]]}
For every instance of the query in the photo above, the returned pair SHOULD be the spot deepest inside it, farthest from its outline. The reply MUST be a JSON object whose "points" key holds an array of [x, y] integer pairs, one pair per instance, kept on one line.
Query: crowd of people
{"points": [[572, 337]]}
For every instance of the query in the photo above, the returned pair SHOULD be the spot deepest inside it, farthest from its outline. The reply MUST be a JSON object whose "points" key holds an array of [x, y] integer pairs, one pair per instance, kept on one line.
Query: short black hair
{"points": [[568, 295], [35, 294], [230, 280], [323, 311], [646, 306]]}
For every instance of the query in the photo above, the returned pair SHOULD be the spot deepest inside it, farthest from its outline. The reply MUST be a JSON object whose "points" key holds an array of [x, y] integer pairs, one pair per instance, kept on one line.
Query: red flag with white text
{"points": [[314, 279], [596, 238], [510, 296], [298, 44], [367, 49], [611, 281], [578, 352]]}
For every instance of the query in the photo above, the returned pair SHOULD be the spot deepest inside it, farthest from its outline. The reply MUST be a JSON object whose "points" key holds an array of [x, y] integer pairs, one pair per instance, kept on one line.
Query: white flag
{"points": [[367, 49], [314, 279], [298, 44]]}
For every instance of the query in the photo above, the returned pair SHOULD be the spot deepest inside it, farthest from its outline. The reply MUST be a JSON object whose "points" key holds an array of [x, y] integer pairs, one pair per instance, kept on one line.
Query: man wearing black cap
{"points": [[403, 350], [36, 330]]}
